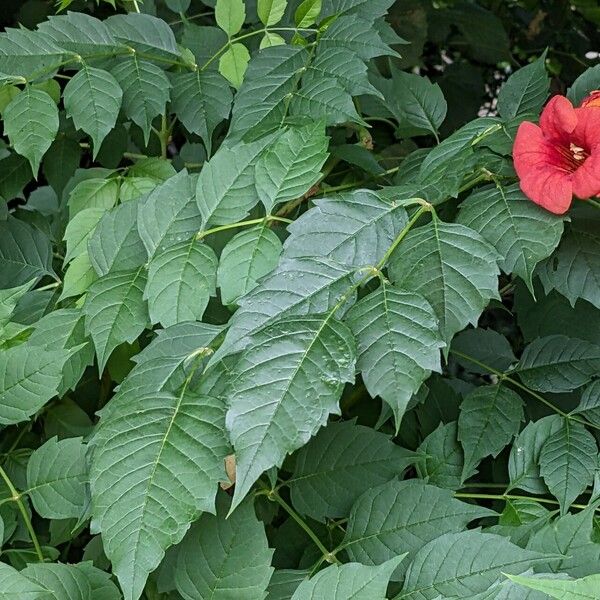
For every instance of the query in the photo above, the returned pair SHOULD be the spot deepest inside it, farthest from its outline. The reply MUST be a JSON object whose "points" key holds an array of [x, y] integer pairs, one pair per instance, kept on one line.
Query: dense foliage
{"points": [[276, 319]]}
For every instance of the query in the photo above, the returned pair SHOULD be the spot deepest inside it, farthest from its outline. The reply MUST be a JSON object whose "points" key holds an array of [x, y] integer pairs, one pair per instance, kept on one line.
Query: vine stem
{"points": [[505, 377], [513, 497], [50, 286], [16, 497], [247, 35], [202, 234], [136, 7], [275, 497], [163, 136], [356, 184], [425, 207], [594, 203]]}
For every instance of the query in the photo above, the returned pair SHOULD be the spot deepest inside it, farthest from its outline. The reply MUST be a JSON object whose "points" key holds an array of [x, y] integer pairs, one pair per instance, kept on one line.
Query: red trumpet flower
{"points": [[560, 158]]}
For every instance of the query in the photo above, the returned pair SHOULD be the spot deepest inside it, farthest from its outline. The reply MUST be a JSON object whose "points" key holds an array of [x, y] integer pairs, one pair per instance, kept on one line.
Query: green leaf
{"points": [[115, 311], [490, 416], [485, 346], [521, 232], [57, 478], [115, 244], [133, 188], [461, 564], [230, 15], [181, 280], [524, 459], [169, 214], [271, 39], [144, 33], [61, 162], [93, 99], [247, 257], [578, 589], [101, 583], [79, 33], [572, 536], [418, 104], [31, 124], [262, 101], [354, 228], [226, 189], [343, 65], [341, 462], [136, 470], [223, 557], [444, 457], [60, 582], [284, 583], [9, 299], [15, 173], [25, 253], [398, 344], [357, 35], [201, 100], [15, 586], [351, 581], [93, 193], [165, 363], [452, 267], [79, 230], [145, 90], [29, 377], [78, 277], [64, 328], [325, 99], [525, 91], [284, 386], [307, 12], [402, 516], [589, 404], [234, 62], [292, 165], [557, 363], [23, 52], [574, 269], [568, 460], [296, 287], [585, 84], [270, 12], [178, 6]]}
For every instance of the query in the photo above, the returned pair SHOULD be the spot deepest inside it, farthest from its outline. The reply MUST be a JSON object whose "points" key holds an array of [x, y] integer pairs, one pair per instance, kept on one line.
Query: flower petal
{"points": [[587, 133], [558, 119], [540, 168], [592, 100], [586, 180]]}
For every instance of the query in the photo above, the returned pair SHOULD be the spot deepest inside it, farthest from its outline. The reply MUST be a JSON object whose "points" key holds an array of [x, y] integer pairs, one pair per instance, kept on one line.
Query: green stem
{"points": [[356, 184], [136, 8], [192, 17], [247, 35], [163, 136], [16, 497], [202, 234], [380, 120], [594, 203], [514, 497], [50, 286], [327, 555], [425, 207], [504, 377]]}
